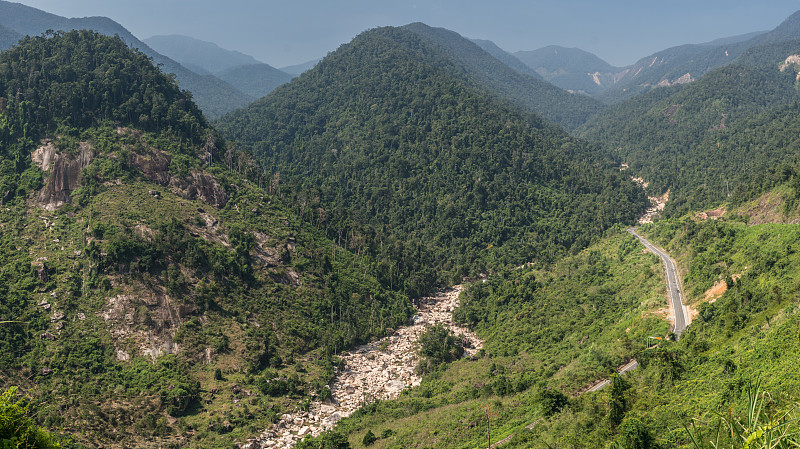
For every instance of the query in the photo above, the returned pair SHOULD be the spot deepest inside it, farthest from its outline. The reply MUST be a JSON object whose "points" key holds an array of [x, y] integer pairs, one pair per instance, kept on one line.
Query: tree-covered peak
{"points": [[434, 174], [82, 78]]}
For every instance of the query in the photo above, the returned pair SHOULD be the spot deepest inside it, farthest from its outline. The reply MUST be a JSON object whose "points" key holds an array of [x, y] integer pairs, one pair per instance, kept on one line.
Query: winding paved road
{"points": [[681, 321], [673, 286]]}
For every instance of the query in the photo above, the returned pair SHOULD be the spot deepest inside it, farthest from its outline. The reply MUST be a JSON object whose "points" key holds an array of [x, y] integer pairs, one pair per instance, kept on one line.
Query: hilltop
{"points": [[486, 72], [431, 174]]}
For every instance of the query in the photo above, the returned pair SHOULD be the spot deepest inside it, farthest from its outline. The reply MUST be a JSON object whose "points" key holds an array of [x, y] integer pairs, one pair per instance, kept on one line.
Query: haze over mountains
{"points": [[199, 55], [198, 274], [214, 95], [252, 77]]}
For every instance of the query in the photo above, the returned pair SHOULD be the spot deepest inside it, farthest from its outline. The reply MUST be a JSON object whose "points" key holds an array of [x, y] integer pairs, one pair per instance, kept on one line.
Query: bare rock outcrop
{"points": [[200, 185], [154, 167], [150, 320], [65, 172]]}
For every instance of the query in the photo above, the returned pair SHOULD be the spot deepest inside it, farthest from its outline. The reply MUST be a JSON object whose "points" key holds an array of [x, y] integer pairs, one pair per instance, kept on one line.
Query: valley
{"points": [[420, 240]]}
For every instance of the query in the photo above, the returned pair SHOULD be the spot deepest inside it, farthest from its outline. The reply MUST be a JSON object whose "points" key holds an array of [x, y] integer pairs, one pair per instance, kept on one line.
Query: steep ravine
{"points": [[379, 370]]}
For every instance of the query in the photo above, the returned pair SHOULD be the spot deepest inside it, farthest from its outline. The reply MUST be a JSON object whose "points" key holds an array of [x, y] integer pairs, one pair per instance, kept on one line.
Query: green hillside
{"points": [[479, 68], [255, 80], [435, 179], [152, 292], [707, 140], [550, 332]]}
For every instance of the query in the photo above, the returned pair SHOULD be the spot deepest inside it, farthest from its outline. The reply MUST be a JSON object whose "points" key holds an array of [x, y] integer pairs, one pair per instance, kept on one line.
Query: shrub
{"points": [[438, 345], [369, 438]]}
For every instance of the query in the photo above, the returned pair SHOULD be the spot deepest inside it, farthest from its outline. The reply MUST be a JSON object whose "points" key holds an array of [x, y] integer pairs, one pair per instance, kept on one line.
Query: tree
{"points": [[438, 345], [16, 427]]}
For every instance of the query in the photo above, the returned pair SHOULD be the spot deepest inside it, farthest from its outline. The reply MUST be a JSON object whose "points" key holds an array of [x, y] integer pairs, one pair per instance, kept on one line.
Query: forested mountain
{"points": [[149, 283], [703, 141], [571, 69], [214, 96], [255, 80], [505, 57], [191, 52], [439, 179], [686, 63], [486, 72]]}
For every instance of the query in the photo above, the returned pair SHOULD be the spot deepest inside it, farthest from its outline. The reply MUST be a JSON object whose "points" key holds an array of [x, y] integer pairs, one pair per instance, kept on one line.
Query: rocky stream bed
{"points": [[378, 370]]}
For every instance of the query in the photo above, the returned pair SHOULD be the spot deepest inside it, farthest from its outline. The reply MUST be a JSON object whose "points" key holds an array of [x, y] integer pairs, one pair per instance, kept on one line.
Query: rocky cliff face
{"points": [[65, 172], [200, 185]]}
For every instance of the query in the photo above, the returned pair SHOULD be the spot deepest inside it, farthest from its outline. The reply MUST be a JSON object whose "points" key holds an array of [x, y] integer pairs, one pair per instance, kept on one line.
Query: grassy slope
{"points": [[536, 343]]}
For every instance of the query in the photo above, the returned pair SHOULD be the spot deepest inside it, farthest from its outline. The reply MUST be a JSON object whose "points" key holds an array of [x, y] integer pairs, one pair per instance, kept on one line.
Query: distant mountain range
{"points": [[571, 68], [222, 80], [255, 80], [195, 53], [297, 69], [195, 63], [576, 70], [252, 77], [505, 57]]}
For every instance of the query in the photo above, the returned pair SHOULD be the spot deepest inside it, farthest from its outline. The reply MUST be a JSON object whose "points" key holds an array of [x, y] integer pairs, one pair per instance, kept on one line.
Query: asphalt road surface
{"points": [[633, 364], [673, 287]]}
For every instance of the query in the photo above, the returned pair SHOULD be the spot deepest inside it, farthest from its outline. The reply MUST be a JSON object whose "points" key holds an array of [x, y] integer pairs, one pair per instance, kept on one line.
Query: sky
{"points": [[287, 32]]}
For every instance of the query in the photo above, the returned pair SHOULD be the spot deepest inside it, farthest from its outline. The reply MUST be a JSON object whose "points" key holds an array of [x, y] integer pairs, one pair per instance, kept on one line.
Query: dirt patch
{"points": [[713, 293], [664, 312], [710, 214], [768, 208]]}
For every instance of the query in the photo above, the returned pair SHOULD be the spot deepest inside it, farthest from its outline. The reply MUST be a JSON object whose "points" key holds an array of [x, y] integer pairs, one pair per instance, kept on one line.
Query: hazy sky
{"points": [[288, 32]]}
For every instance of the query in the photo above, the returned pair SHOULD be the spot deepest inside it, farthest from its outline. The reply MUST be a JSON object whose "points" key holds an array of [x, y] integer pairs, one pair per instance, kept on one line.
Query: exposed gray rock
{"points": [[65, 173], [379, 370]]}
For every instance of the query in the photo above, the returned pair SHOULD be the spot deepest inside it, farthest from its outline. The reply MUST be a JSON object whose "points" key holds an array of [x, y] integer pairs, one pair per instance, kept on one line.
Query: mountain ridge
{"points": [[527, 92], [214, 95], [207, 55]]}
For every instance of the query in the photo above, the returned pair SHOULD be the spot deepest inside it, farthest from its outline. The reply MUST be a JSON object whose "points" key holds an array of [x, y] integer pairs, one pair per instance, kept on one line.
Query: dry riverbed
{"points": [[379, 370]]}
